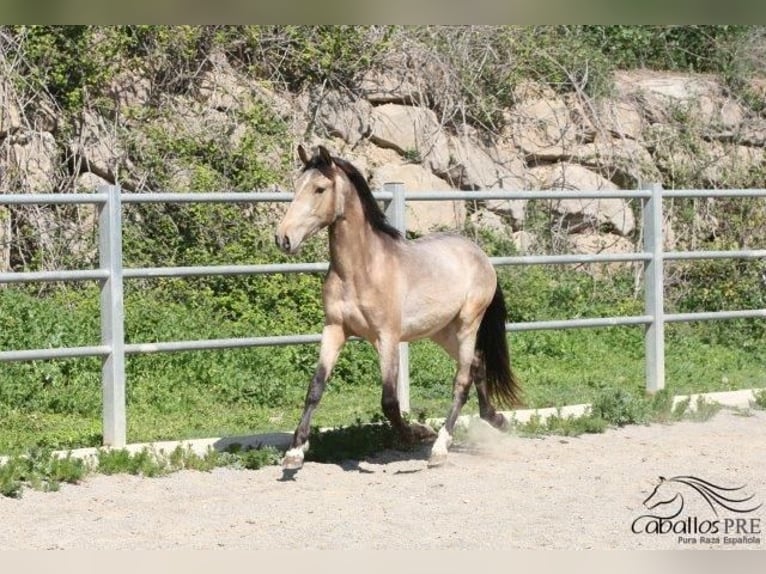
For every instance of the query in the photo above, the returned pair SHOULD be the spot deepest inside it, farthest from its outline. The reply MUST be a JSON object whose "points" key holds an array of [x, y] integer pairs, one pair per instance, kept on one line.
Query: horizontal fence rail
{"points": [[111, 276]]}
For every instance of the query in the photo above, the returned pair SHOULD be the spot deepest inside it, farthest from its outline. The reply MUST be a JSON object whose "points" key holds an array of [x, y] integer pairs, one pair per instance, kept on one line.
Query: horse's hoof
{"points": [[292, 463], [501, 423], [293, 459], [440, 448]]}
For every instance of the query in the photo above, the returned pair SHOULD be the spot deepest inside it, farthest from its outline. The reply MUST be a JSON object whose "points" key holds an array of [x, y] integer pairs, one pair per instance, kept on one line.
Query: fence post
{"points": [[112, 318], [654, 296], [396, 214]]}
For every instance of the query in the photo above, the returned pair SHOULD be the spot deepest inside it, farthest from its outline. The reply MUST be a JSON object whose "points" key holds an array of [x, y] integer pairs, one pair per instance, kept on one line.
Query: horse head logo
{"points": [[668, 496]]}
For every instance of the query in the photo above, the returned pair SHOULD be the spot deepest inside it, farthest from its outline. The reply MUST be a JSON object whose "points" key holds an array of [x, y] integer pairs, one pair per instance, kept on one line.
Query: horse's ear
{"points": [[302, 154], [662, 479], [325, 155]]}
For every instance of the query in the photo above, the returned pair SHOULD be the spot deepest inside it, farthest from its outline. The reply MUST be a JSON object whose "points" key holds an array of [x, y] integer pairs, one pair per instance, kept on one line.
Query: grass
{"points": [[556, 369], [172, 396]]}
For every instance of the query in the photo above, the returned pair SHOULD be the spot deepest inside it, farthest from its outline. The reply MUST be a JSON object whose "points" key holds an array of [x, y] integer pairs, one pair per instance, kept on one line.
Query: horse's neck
{"points": [[352, 242]]}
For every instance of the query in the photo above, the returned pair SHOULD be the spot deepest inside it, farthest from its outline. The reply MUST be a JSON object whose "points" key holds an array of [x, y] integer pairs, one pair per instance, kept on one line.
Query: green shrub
{"points": [[760, 399], [561, 426], [251, 458], [701, 48], [59, 60], [620, 407]]}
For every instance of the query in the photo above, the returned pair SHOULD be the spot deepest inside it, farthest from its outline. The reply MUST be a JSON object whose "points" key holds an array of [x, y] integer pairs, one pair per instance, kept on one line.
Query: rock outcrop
{"points": [[656, 127]]}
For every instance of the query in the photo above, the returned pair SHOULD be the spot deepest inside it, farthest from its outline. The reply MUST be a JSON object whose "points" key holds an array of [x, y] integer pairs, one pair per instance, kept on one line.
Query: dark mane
{"points": [[372, 211]]}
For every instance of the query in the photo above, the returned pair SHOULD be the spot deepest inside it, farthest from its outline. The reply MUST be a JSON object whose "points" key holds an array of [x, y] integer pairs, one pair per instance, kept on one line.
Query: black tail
{"points": [[492, 344]]}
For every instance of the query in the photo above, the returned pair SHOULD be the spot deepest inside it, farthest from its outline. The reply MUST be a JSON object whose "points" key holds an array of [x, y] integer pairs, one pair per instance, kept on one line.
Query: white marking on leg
{"points": [[439, 449], [294, 457]]}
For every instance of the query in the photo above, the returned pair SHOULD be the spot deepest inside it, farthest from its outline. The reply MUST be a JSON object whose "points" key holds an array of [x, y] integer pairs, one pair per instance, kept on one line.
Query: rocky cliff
{"points": [[678, 129]]}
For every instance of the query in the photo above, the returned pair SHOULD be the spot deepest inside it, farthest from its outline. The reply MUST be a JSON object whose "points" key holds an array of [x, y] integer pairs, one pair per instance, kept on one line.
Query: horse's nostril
{"points": [[282, 242]]}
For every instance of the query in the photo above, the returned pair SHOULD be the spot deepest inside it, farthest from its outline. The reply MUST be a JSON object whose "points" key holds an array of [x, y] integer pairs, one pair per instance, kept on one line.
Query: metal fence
{"points": [[113, 349]]}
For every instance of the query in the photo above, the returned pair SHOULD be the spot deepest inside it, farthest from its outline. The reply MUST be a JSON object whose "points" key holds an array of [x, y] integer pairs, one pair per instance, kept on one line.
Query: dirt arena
{"points": [[496, 492]]}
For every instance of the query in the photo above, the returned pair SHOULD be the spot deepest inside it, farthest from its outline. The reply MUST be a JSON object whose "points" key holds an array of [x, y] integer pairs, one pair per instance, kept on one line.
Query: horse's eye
{"points": [[319, 189]]}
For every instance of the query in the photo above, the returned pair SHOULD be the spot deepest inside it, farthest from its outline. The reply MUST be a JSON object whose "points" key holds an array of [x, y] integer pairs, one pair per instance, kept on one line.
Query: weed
{"points": [[620, 407], [560, 425], [145, 462], [412, 155], [704, 411], [760, 399], [182, 458], [617, 407], [251, 458], [575, 426], [148, 462], [255, 458], [11, 478], [741, 411], [41, 470], [677, 412]]}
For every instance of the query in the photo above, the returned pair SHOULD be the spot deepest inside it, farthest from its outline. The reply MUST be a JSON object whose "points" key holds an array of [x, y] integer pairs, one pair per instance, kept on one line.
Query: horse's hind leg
{"points": [[333, 338], [466, 342], [486, 409]]}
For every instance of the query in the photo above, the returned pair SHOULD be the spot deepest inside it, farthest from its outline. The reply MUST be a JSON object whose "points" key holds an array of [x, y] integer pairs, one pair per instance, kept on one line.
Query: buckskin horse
{"points": [[386, 289]]}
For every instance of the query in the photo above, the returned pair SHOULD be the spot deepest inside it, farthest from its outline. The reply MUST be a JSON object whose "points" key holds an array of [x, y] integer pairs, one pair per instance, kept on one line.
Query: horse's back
{"points": [[447, 254]]}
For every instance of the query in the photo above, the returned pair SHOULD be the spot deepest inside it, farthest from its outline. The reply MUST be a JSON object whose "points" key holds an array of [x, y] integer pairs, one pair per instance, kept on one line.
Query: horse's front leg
{"points": [[333, 338], [388, 351], [388, 354]]}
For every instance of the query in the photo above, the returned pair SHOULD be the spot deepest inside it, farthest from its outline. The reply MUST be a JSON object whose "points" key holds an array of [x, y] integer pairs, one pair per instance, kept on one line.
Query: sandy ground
{"points": [[496, 492]]}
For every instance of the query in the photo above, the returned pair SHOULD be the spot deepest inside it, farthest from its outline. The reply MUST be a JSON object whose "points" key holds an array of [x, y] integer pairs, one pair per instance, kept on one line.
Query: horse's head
{"points": [[318, 201], [663, 494]]}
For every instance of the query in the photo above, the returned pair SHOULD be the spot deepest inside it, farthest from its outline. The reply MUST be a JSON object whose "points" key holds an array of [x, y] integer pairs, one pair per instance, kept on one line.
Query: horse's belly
{"points": [[421, 319]]}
